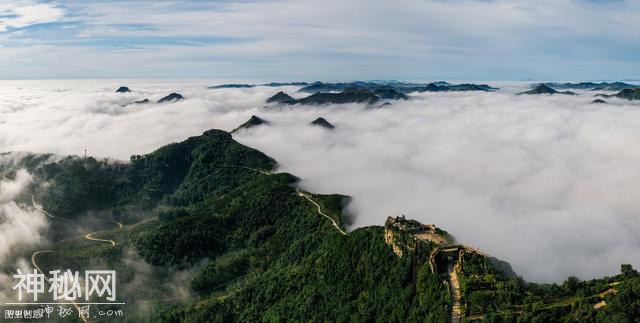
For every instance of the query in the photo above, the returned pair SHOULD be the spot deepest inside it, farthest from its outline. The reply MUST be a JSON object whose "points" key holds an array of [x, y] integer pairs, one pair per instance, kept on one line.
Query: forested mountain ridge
{"points": [[254, 249]]}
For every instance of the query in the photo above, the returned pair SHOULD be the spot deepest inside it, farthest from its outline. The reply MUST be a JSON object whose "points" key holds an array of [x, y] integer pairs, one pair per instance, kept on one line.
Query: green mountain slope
{"points": [[211, 234]]}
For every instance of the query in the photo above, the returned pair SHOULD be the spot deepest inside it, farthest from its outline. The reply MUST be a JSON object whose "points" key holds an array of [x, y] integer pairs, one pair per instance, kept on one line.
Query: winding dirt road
{"points": [[39, 208], [88, 236], [306, 196], [335, 224], [35, 265], [34, 256]]}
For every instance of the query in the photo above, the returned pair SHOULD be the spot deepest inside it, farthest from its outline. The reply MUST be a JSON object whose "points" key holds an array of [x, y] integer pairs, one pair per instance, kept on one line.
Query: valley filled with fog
{"points": [[549, 183]]}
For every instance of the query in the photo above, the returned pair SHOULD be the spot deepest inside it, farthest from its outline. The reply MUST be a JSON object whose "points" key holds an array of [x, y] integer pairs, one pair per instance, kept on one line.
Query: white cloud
{"points": [[20, 226], [19, 14]]}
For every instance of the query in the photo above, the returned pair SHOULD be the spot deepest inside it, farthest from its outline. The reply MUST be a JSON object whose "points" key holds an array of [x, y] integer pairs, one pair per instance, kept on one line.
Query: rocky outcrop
{"points": [[389, 238]]}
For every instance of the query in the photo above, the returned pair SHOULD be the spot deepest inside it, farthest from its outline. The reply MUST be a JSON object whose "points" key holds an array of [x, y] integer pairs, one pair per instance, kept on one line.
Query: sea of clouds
{"points": [[549, 183]]}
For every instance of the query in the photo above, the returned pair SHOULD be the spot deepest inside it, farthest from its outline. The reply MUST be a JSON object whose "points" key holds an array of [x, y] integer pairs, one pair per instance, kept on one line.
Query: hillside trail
{"points": [[335, 224], [88, 236], [300, 193]]}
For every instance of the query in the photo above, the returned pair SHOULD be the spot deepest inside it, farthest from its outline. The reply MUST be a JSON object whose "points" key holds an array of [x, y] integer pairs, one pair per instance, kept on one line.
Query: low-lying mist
{"points": [[21, 227], [548, 183]]}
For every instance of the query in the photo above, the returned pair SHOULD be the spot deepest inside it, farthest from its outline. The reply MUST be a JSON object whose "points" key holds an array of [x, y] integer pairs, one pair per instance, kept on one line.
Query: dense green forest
{"points": [[208, 217]]}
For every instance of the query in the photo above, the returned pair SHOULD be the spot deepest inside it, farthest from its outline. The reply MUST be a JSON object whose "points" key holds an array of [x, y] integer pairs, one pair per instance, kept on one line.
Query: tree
{"points": [[571, 285], [628, 272]]}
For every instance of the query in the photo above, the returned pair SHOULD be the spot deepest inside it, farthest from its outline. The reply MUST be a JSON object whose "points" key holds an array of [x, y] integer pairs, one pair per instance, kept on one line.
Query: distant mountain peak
{"points": [[545, 89], [390, 93], [145, 101], [401, 87], [629, 94], [281, 97], [254, 121], [171, 98], [602, 86], [123, 89], [348, 95], [243, 86], [322, 122]]}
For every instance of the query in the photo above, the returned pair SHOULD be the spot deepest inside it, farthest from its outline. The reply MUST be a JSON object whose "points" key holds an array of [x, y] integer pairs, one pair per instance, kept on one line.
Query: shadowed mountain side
{"points": [[254, 121], [391, 94], [243, 86], [628, 94], [544, 89], [282, 98], [397, 86], [350, 95], [322, 122], [173, 97], [145, 101], [602, 86], [255, 248]]}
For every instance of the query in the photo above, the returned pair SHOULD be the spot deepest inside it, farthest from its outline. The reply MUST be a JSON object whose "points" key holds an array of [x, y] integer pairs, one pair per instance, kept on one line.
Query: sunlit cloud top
{"points": [[328, 40]]}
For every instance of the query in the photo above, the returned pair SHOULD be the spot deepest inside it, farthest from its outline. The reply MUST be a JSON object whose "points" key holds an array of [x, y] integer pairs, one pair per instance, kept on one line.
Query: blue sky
{"points": [[326, 40]]}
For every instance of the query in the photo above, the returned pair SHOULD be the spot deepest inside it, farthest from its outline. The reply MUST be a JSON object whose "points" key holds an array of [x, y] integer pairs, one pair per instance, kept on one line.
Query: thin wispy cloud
{"points": [[21, 14], [408, 39]]}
